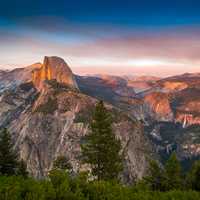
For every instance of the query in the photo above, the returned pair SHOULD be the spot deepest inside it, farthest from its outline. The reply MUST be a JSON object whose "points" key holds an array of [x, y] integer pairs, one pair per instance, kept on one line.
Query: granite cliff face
{"points": [[53, 68], [175, 99], [174, 125], [50, 116], [13, 78], [160, 106]]}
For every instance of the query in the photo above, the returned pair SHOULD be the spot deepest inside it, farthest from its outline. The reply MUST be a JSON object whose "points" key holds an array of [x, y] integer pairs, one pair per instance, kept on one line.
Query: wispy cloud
{"points": [[101, 49]]}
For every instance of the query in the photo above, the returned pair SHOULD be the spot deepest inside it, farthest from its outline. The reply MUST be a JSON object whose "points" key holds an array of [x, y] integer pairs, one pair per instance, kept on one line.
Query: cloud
{"points": [[94, 49]]}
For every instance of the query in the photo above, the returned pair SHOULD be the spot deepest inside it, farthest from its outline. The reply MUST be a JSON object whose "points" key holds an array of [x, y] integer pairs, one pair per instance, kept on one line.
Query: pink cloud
{"points": [[164, 52]]}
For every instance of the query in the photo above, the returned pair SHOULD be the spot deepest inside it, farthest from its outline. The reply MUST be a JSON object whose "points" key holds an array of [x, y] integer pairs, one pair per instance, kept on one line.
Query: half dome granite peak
{"points": [[53, 68]]}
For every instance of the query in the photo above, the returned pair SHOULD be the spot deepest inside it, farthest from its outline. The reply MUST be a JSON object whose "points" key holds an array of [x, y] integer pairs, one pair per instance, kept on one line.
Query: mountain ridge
{"points": [[168, 108], [53, 121]]}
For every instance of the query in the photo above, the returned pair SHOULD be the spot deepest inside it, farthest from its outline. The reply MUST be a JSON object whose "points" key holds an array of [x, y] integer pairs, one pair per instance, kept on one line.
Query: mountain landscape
{"points": [[167, 107], [48, 115], [48, 109], [99, 100]]}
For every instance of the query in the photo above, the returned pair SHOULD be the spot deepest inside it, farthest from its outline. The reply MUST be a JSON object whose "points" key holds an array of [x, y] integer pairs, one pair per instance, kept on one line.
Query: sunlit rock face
{"points": [[160, 106], [53, 68], [173, 120], [187, 119], [188, 108], [174, 86]]}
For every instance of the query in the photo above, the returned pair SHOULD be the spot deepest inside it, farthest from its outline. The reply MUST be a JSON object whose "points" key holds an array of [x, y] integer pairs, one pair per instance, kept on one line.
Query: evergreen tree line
{"points": [[101, 151], [171, 176]]}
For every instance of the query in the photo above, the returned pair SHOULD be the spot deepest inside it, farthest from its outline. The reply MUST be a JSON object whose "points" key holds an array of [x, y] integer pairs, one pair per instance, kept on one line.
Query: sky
{"points": [[136, 37]]}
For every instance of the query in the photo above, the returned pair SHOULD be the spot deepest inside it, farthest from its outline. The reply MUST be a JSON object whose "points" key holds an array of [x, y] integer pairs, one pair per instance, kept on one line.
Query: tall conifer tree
{"points": [[173, 173], [102, 149], [155, 179], [8, 157], [193, 177]]}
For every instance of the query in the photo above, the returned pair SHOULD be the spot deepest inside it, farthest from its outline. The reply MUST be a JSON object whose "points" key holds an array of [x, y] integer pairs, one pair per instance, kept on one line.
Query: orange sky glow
{"points": [[164, 53]]}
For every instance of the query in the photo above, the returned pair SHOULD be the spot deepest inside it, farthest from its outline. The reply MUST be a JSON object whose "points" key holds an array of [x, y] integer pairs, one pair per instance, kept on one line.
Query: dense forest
{"points": [[101, 151]]}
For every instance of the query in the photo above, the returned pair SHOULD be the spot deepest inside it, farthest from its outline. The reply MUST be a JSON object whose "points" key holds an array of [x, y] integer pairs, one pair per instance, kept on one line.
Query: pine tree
{"points": [[155, 179], [173, 173], [101, 149], [8, 157], [193, 178]]}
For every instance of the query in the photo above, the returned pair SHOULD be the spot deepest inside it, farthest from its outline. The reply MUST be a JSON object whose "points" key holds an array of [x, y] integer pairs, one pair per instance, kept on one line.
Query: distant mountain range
{"points": [[47, 108], [168, 107]]}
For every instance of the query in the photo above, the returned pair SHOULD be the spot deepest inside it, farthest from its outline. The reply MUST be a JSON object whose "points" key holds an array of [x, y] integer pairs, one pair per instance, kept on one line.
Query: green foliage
{"points": [[49, 107], [173, 174], [17, 188], [101, 149], [193, 178], [168, 178], [9, 163], [155, 179], [8, 157], [84, 116], [60, 186], [63, 163], [22, 169], [59, 180]]}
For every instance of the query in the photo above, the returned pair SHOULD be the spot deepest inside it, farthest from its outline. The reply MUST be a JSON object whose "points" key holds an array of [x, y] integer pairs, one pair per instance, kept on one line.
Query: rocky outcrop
{"points": [[174, 86], [187, 119], [187, 106], [55, 122], [12, 79], [169, 109], [160, 106], [53, 68], [49, 117], [107, 87]]}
